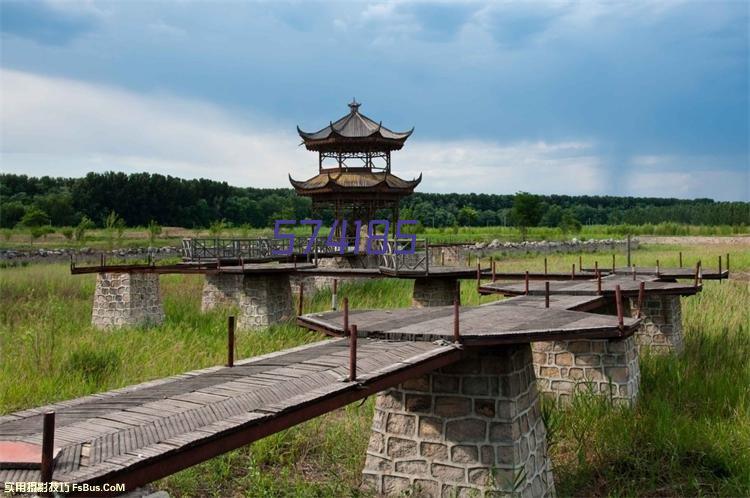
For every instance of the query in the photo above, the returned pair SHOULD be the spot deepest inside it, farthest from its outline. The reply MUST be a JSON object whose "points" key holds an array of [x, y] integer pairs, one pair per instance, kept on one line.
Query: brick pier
{"points": [[464, 430], [126, 299]]}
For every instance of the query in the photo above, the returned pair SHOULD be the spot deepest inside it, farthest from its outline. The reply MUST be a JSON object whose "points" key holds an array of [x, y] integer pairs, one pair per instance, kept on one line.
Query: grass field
{"points": [[688, 435], [99, 239]]}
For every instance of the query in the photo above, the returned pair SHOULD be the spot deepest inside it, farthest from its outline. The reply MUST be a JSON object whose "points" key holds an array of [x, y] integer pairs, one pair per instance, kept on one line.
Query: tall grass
{"points": [[688, 435]]}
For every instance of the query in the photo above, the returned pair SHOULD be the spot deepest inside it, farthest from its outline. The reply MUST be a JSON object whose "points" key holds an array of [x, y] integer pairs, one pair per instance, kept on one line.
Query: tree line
{"points": [[141, 199]]}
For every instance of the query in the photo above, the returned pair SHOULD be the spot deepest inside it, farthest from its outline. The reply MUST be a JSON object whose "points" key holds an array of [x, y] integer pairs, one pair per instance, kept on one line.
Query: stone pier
{"points": [[433, 292], [661, 331], [126, 299], [470, 429], [262, 299], [609, 367]]}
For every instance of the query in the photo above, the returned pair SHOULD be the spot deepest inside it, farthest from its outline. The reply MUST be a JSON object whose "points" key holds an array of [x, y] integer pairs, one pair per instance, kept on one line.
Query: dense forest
{"points": [[143, 198]]}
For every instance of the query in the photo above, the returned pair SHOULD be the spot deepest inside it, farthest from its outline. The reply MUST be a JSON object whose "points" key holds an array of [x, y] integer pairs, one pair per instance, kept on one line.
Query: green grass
{"points": [[99, 239], [688, 435]]}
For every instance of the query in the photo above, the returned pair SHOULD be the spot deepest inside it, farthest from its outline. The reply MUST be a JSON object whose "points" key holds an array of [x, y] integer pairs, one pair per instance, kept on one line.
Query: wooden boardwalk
{"points": [[628, 287], [509, 322], [140, 433]]}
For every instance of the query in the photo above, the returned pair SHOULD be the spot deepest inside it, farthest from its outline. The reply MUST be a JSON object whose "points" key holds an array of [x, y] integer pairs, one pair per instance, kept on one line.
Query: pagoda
{"points": [[354, 177]]}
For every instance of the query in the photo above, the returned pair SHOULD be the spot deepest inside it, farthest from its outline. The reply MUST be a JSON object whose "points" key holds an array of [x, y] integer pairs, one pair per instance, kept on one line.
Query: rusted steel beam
{"points": [[230, 341], [352, 353], [479, 274], [346, 315], [719, 268], [596, 267], [301, 297], [545, 265], [48, 445], [493, 271], [526, 283], [546, 294], [680, 259], [641, 297], [620, 316], [573, 272], [334, 295], [580, 262], [657, 268], [456, 331], [613, 263], [598, 282], [727, 262]]}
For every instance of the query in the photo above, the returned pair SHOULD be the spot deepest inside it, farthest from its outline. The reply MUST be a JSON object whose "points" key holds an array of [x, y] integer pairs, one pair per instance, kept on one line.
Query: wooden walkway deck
{"points": [[140, 433], [509, 322], [628, 287]]}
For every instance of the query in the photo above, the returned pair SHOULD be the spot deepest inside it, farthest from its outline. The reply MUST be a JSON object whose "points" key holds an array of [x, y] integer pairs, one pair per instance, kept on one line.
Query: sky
{"points": [[616, 98]]}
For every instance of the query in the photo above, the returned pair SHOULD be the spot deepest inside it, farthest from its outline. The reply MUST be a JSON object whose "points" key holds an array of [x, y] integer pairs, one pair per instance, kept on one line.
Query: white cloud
{"points": [[60, 127], [68, 128]]}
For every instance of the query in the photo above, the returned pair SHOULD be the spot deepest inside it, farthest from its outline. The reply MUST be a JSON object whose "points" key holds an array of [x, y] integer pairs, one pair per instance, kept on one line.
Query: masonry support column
{"points": [[433, 292], [471, 428], [126, 299], [661, 331], [264, 300], [608, 367], [220, 290]]}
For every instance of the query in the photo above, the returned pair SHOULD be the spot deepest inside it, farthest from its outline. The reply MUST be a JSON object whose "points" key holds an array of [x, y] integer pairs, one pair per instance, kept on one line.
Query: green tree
{"points": [[11, 213], [527, 211], [35, 217], [80, 230], [569, 223], [113, 224], [467, 216], [154, 230]]}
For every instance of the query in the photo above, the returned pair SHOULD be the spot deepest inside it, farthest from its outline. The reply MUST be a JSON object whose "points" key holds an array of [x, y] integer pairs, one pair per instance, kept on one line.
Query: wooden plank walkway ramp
{"points": [[138, 434]]}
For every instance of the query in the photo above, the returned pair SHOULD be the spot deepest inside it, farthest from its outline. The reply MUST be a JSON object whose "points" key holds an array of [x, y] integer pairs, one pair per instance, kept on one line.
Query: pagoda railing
{"points": [[403, 256]]}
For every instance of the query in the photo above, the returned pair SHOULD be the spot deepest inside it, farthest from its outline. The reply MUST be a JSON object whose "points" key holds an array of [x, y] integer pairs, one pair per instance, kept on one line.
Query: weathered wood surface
{"points": [[140, 433], [498, 324], [628, 287]]}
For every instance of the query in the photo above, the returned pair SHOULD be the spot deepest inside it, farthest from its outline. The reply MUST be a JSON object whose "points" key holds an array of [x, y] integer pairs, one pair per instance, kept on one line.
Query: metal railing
{"points": [[403, 256], [263, 249]]}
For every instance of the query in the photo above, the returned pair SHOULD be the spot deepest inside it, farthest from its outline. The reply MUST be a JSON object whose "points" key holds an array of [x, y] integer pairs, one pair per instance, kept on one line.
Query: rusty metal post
{"points": [[596, 267], [294, 261], [456, 332], [458, 290], [613, 263], [48, 444], [479, 274], [526, 281], [301, 297], [634, 272], [101, 260], [697, 269], [598, 282], [628, 249], [727, 262], [493, 271], [719, 268], [546, 294], [545, 265], [346, 315], [700, 272], [353, 353], [573, 272], [442, 257], [641, 297], [657, 268], [334, 295], [680, 259], [580, 261], [230, 341], [620, 317]]}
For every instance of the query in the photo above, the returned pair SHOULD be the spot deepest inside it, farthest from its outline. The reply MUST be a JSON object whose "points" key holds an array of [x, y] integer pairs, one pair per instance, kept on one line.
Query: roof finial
{"points": [[354, 105]]}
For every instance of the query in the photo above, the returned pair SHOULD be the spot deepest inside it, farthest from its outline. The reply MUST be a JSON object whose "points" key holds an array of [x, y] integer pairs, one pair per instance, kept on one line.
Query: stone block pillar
{"points": [[661, 331], [221, 290], [265, 300], [433, 292], [470, 429], [604, 366], [262, 300], [126, 299]]}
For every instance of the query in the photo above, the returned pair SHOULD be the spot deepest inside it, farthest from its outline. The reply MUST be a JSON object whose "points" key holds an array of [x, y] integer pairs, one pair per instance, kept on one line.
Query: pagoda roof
{"points": [[357, 180], [355, 131]]}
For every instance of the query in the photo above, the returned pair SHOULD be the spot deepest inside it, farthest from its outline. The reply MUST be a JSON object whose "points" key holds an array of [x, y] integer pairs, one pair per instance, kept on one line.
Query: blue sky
{"points": [[646, 99]]}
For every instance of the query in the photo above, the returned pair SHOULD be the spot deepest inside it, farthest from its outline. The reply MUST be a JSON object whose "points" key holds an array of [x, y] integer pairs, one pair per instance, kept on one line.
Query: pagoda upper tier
{"points": [[354, 132]]}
